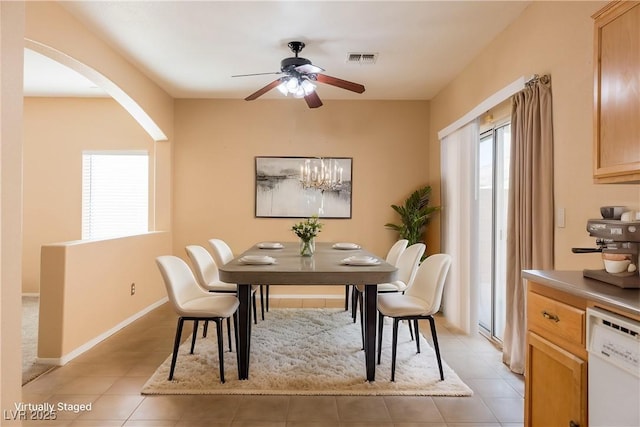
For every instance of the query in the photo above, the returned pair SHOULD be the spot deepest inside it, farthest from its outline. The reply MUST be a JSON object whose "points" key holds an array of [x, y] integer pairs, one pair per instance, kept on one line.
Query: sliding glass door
{"points": [[492, 195]]}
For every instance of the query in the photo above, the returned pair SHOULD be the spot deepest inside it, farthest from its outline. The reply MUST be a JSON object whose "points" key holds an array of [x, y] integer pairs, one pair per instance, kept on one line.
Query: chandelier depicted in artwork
{"points": [[321, 174]]}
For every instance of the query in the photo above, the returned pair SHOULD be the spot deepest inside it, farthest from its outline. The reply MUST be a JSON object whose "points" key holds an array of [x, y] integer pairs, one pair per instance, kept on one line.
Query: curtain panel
{"points": [[530, 218], [459, 225]]}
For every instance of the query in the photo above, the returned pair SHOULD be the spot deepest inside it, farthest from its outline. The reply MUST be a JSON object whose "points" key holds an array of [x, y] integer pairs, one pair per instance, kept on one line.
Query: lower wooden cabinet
{"points": [[556, 370], [556, 386]]}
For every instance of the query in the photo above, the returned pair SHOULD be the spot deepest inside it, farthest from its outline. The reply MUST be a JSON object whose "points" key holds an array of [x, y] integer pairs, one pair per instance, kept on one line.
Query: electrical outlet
{"points": [[133, 289]]}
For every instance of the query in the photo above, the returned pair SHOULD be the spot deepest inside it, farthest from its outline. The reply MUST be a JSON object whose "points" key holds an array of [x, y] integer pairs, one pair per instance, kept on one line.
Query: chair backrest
{"points": [[408, 263], [222, 253], [204, 267], [429, 281], [181, 285], [394, 252]]}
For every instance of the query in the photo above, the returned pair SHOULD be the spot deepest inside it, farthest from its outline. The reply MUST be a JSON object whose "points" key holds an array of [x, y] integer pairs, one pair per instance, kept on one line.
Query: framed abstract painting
{"points": [[299, 187]]}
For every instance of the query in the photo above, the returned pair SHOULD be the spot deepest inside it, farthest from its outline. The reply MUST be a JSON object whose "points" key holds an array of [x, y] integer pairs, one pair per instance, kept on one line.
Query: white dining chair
{"points": [[407, 265], [223, 254], [396, 250], [191, 302], [420, 301], [206, 273], [392, 258]]}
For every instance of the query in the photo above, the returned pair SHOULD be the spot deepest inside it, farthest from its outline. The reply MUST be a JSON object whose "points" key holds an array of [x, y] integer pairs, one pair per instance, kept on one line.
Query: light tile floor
{"points": [[110, 376]]}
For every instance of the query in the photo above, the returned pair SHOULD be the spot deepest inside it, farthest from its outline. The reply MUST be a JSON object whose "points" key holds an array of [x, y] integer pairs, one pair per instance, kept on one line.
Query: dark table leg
{"points": [[244, 330], [370, 317]]}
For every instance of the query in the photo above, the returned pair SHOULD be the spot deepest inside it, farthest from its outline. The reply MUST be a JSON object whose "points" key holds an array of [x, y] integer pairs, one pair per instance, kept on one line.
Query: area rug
{"points": [[307, 352]]}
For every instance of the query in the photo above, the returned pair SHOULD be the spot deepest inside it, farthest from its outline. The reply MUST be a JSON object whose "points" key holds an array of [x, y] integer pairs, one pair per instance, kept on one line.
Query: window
{"points": [[493, 192], [115, 194]]}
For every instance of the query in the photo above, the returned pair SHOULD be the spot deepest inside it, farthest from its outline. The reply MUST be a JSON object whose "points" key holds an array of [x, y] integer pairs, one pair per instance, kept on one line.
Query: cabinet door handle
{"points": [[550, 316], [573, 424]]}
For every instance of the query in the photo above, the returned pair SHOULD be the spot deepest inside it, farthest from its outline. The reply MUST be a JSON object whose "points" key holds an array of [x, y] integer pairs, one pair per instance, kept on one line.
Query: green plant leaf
{"points": [[414, 215]]}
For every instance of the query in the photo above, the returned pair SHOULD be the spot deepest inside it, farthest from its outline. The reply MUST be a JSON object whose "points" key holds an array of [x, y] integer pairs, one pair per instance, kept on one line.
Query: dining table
{"points": [[275, 263]]}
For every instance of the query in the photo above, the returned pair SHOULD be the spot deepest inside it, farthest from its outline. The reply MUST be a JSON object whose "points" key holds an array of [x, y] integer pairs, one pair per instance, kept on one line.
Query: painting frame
{"points": [[281, 191]]}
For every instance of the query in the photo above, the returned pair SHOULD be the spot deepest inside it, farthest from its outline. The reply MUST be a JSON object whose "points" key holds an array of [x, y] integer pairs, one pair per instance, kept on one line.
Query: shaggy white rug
{"points": [[310, 352]]}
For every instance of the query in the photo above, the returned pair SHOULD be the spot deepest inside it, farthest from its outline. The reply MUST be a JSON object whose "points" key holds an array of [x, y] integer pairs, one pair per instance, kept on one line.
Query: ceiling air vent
{"points": [[362, 58]]}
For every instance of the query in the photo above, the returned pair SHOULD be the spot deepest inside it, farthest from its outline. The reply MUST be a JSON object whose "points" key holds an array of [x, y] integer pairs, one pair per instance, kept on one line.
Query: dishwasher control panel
{"points": [[614, 338]]}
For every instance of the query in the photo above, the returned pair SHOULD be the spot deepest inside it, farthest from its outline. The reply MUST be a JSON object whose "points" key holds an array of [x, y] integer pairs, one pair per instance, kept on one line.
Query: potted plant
{"points": [[414, 214]]}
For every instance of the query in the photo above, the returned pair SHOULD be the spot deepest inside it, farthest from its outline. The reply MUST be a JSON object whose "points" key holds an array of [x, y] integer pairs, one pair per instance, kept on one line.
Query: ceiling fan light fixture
{"points": [[282, 87], [307, 86], [299, 78], [297, 87], [292, 84]]}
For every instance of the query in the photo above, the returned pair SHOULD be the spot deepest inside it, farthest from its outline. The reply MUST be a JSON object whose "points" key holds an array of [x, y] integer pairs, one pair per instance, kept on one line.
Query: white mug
{"points": [[629, 216]]}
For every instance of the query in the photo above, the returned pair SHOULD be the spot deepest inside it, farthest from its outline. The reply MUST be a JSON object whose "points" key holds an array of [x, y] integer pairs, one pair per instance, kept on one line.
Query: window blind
{"points": [[115, 194]]}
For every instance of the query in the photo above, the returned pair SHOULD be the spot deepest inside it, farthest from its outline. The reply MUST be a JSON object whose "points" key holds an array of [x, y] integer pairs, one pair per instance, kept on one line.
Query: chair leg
{"points": [[354, 303], [255, 311], [220, 349], [410, 330], [346, 297], [205, 328], [176, 344], [262, 300], [235, 333], [361, 297], [415, 324], [380, 326], [394, 348], [434, 335], [229, 332], [267, 298], [193, 338]]}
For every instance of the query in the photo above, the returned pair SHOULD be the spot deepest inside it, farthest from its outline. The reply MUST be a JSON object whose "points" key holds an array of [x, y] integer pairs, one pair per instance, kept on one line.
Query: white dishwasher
{"points": [[613, 343]]}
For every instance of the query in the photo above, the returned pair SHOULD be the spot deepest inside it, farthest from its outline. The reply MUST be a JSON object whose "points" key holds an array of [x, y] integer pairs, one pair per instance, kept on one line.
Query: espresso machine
{"points": [[620, 241]]}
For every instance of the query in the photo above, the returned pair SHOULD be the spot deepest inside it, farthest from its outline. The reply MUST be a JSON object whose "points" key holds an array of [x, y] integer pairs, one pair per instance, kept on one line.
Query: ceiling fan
{"points": [[299, 76]]}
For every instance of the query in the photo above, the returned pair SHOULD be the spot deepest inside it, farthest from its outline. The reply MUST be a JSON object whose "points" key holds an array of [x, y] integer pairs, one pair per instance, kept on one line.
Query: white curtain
{"points": [[459, 225]]}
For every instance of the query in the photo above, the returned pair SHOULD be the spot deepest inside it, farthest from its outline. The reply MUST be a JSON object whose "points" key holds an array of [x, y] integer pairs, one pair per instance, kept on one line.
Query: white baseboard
{"points": [[60, 361]]}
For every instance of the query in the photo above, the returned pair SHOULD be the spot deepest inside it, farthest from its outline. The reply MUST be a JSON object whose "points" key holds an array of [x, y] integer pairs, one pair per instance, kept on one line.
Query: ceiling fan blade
{"points": [[343, 84], [262, 91], [257, 74], [313, 100], [308, 69]]}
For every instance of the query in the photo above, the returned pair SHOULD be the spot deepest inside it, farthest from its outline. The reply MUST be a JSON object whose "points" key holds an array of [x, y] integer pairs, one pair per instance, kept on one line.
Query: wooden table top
{"points": [[323, 268]]}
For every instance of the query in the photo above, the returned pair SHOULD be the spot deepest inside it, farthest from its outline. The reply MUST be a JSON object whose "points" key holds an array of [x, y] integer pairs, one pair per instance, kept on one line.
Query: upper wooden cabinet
{"points": [[617, 93]]}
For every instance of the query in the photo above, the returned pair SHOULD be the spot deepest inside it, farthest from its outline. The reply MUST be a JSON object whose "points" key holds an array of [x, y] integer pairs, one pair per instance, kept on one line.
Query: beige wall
{"points": [[66, 129], [553, 38], [56, 132], [49, 24], [11, 29], [86, 290], [217, 141]]}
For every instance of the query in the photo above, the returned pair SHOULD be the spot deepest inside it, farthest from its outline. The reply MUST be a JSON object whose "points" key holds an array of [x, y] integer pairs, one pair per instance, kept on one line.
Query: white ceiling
{"points": [[191, 49]]}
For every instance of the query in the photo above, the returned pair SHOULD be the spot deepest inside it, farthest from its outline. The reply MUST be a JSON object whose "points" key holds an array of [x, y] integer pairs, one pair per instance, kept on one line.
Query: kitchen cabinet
{"points": [[556, 367], [617, 93], [557, 392], [557, 362]]}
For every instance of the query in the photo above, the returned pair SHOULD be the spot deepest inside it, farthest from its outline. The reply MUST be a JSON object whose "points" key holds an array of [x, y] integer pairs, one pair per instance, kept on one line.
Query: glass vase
{"points": [[307, 247]]}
